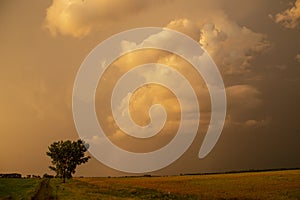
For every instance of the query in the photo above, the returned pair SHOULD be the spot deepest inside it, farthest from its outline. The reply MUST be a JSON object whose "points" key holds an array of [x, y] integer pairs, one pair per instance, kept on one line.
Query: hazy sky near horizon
{"points": [[255, 44]]}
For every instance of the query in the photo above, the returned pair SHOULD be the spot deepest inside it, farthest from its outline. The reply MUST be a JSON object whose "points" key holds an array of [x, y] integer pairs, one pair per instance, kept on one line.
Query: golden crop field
{"points": [[252, 185]]}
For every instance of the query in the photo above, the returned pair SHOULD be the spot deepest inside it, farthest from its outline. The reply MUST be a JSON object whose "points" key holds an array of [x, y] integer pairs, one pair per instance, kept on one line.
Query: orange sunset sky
{"points": [[255, 44]]}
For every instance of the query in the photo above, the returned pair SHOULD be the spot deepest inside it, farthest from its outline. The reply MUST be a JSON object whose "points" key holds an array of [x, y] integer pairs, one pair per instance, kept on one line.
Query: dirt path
{"points": [[44, 192]]}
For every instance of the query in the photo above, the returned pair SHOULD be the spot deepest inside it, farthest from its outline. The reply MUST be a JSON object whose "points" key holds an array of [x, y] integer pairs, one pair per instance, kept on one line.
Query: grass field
{"points": [[253, 185], [17, 188]]}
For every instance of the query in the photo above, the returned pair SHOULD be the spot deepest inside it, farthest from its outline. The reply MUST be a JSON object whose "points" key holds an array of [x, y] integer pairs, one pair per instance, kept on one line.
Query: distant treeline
{"points": [[242, 171], [11, 175], [17, 175]]}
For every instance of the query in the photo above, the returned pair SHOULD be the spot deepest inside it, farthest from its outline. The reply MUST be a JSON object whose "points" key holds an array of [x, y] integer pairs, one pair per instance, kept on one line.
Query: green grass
{"points": [[77, 190], [281, 185], [18, 188]]}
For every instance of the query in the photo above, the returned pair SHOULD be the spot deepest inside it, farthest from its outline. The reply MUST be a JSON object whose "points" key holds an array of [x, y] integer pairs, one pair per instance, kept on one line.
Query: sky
{"points": [[255, 45]]}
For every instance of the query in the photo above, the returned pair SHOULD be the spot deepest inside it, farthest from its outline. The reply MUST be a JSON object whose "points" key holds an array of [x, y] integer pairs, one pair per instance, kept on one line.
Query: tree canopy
{"points": [[66, 156]]}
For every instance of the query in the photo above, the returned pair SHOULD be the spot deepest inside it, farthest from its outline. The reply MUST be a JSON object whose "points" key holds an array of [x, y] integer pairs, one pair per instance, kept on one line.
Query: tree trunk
{"points": [[64, 176]]}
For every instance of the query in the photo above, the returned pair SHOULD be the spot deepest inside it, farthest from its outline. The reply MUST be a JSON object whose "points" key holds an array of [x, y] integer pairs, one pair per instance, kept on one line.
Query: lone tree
{"points": [[66, 155]]}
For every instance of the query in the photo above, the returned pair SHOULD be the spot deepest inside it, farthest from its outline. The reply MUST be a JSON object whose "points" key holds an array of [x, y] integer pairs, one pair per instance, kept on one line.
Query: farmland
{"points": [[18, 188], [250, 185]]}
